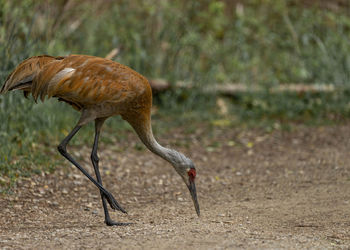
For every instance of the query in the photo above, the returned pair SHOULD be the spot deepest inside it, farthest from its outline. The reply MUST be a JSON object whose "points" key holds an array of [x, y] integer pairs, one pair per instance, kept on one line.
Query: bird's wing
{"points": [[86, 80], [23, 75]]}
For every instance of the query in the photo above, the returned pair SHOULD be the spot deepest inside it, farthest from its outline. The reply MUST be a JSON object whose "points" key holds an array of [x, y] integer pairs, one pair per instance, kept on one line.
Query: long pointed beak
{"points": [[192, 188]]}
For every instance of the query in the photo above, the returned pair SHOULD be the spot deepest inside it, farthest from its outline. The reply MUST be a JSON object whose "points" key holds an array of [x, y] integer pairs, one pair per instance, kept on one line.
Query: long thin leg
{"points": [[62, 149], [95, 161]]}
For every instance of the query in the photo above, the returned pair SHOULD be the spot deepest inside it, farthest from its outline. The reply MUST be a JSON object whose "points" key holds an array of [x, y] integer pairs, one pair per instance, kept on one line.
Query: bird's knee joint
{"points": [[62, 149], [94, 157]]}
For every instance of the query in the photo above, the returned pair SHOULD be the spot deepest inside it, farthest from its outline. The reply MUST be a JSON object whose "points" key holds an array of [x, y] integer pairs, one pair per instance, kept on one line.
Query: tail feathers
{"points": [[21, 78]]}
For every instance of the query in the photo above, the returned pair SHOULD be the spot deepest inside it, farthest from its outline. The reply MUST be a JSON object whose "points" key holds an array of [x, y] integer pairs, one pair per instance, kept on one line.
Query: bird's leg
{"points": [[95, 161], [62, 149]]}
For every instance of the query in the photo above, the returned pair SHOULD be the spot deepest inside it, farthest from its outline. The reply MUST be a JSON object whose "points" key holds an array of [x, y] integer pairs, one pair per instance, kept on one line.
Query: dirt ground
{"points": [[285, 190]]}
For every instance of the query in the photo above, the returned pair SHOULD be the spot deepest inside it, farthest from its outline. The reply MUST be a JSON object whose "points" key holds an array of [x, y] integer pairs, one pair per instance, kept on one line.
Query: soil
{"points": [[256, 189]]}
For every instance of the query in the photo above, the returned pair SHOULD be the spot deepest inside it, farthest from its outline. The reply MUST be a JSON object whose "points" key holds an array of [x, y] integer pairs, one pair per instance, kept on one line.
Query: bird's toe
{"points": [[114, 223], [113, 202]]}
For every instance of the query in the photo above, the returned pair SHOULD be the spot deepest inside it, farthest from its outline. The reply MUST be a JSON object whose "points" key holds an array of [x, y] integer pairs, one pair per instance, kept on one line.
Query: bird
{"points": [[99, 88]]}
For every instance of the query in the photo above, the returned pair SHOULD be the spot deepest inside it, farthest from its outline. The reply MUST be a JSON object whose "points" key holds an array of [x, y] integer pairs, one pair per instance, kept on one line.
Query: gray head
{"points": [[185, 168]]}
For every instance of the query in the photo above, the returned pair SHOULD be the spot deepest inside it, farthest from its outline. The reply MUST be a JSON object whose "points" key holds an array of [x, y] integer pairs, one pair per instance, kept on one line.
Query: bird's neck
{"points": [[144, 131], [152, 144]]}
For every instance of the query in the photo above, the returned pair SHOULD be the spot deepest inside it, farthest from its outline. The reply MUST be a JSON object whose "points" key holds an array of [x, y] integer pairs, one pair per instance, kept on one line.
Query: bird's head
{"points": [[186, 169]]}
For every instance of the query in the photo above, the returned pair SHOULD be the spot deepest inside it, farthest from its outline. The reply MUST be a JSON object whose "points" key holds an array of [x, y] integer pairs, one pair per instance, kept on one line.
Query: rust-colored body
{"points": [[98, 87]]}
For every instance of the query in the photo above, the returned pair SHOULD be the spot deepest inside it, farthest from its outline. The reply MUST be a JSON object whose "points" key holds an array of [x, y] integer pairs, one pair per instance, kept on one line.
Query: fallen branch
{"points": [[161, 85]]}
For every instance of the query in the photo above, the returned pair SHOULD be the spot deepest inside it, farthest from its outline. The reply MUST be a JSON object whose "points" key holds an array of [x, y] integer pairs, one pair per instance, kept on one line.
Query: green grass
{"points": [[268, 109]]}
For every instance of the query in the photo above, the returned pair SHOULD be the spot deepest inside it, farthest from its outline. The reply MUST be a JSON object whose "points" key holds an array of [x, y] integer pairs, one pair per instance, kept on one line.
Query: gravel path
{"points": [[286, 190]]}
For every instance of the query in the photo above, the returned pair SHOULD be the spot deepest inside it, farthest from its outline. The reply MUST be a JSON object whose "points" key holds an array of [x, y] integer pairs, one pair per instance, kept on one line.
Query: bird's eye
{"points": [[192, 174]]}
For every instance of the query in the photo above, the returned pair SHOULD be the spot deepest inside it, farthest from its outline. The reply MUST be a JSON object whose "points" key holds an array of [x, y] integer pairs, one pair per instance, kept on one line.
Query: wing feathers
{"points": [[79, 80], [25, 72], [56, 82]]}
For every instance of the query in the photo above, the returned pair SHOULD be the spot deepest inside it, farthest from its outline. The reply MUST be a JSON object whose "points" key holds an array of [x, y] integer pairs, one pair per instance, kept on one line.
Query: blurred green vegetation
{"points": [[263, 42]]}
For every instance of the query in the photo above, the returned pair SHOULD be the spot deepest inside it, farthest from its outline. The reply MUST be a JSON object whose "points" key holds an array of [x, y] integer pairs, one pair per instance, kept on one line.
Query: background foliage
{"points": [[263, 42]]}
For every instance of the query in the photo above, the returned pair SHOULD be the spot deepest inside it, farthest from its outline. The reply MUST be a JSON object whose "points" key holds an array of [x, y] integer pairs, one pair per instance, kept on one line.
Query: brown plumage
{"points": [[99, 88]]}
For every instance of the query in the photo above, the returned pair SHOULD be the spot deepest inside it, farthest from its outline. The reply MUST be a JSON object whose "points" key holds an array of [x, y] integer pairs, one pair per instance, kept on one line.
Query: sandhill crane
{"points": [[98, 88]]}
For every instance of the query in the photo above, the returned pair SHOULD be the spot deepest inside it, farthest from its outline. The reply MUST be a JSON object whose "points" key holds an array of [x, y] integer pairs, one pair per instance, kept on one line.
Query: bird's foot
{"points": [[113, 203], [110, 222]]}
